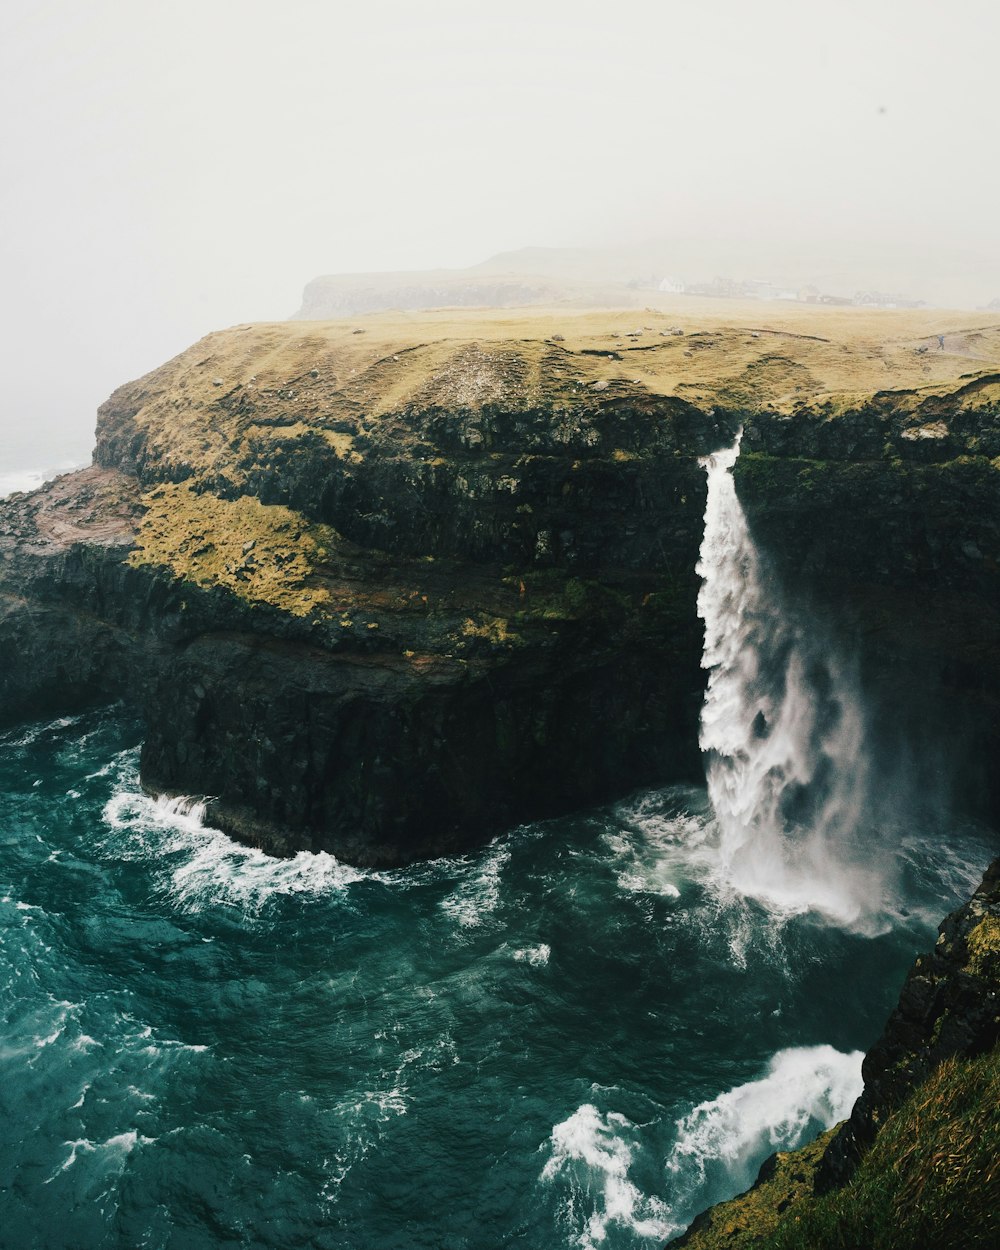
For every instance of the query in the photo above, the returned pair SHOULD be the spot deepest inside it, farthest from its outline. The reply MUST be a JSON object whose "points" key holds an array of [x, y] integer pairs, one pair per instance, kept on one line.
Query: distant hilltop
{"points": [[344, 295], [636, 277], [510, 280]]}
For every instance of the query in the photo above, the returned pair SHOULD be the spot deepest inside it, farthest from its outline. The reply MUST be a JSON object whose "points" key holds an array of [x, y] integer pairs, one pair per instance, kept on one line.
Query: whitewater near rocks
{"points": [[580, 1035]]}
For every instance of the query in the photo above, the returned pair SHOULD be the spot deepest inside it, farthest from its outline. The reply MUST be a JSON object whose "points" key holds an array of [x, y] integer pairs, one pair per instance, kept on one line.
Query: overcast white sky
{"points": [[174, 167]]}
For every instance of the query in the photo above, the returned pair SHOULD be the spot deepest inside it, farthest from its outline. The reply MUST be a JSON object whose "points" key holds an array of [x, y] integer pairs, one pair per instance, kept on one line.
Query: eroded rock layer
{"points": [[386, 588]]}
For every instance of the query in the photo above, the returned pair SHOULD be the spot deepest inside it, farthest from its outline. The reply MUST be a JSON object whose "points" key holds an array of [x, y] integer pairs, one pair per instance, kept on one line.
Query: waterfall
{"points": [[783, 733]]}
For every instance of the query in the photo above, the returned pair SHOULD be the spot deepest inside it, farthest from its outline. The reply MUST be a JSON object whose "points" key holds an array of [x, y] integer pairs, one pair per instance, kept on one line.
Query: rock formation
{"points": [[949, 1007], [385, 593], [948, 1012]]}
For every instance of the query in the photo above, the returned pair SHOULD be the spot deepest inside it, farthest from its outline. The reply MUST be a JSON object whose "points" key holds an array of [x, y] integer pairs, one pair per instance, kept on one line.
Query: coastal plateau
{"points": [[386, 587]]}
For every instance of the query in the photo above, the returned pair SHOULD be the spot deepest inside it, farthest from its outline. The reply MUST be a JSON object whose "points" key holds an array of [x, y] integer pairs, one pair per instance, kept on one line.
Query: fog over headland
{"points": [[171, 169]]}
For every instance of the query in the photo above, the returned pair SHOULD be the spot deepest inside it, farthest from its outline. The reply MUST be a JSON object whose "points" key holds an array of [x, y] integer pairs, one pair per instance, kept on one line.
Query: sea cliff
{"points": [[384, 588]]}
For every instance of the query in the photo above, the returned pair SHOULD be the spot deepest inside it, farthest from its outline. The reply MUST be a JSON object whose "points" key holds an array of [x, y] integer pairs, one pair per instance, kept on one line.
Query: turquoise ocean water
{"points": [[577, 1037]]}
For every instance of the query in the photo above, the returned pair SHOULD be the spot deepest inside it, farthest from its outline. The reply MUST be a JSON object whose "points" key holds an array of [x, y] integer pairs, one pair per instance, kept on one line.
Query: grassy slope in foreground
{"points": [[917, 1165], [931, 1179], [930, 1182]]}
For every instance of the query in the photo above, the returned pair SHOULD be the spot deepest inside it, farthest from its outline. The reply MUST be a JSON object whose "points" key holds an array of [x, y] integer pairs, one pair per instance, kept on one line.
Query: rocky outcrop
{"points": [[387, 592], [904, 1155], [785, 1179], [885, 516], [67, 597], [388, 708], [387, 634], [949, 1007]]}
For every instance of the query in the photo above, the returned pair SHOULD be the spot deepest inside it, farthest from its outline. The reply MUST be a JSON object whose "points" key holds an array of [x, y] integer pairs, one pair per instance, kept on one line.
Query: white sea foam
{"points": [[42, 1042], [154, 1045], [184, 807], [111, 1155], [591, 1155], [664, 841], [61, 1014], [804, 1090], [363, 1114], [203, 867], [140, 1056], [165, 1045], [142, 1094], [537, 956], [477, 894], [221, 871], [660, 845], [123, 763], [26, 735], [361, 1118], [132, 812]]}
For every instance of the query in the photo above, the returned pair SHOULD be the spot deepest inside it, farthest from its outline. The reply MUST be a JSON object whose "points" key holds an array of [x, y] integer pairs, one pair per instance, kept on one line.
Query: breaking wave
{"points": [[298, 1045], [203, 867], [590, 1155], [806, 1089]]}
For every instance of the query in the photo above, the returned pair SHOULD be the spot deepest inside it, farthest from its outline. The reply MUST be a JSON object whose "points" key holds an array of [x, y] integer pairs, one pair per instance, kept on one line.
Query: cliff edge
{"points": [[385, 587]]}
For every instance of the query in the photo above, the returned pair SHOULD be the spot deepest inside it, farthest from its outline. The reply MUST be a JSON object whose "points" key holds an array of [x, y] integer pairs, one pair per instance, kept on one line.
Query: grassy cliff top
{"points": [[341, 381], [389, 361], [418, 433], [931, 1180]]}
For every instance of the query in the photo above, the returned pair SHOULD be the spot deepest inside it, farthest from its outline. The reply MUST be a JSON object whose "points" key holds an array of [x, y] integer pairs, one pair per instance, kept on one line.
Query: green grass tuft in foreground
{"points": [[930, 1182]]}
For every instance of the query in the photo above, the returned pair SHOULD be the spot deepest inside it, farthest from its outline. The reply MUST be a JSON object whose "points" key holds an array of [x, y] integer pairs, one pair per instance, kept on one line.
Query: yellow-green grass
{"points": [[931, 1181], [255, 385], [264, 553], [743, 1221], [983, 944]]}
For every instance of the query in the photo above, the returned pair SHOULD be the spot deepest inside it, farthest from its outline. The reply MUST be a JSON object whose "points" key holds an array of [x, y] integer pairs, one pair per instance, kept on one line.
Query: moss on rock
{"points": [[263, 553], [785, 1182]]}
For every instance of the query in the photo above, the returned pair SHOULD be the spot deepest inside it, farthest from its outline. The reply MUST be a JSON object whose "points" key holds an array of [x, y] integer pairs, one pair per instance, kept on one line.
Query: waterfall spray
{"points": [[783, 733]]}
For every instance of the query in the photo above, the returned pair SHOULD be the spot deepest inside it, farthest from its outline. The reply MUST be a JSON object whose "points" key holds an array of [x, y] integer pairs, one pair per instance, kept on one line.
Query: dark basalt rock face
{"points": [[889, 529], [388, 597], [66, 597], [496, 620], [949, 1006], [457, 701]]}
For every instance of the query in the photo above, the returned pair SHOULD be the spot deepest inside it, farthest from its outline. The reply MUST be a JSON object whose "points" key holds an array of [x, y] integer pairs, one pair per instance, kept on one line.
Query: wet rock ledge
{"points": [[386, 588], [915, 1165]]}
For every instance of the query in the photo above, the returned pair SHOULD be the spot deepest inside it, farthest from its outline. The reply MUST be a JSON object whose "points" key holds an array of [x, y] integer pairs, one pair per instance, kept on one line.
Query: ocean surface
{"points": [[22, 480], [579, 1036]]}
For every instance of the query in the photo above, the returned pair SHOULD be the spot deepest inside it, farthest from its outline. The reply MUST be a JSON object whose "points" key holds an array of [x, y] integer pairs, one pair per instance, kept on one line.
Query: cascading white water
{"points": [[783, 733]]}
